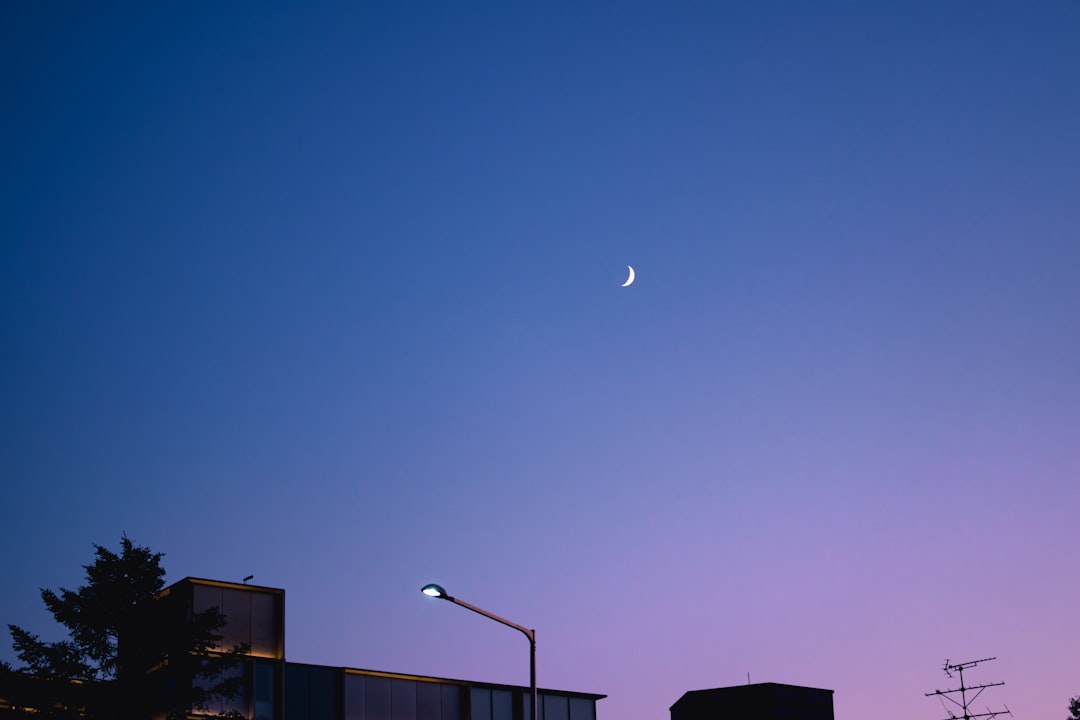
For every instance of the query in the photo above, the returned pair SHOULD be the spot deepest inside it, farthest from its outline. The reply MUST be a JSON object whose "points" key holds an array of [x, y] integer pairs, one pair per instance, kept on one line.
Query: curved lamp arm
{"points": [[437, 591]]}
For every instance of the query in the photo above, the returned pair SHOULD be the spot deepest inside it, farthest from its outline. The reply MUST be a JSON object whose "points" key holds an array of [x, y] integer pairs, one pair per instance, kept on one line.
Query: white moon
{"points": [[629, 280]]}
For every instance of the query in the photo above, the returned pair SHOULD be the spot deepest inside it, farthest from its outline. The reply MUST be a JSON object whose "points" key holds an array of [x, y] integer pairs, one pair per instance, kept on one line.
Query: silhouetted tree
{"points": [[1074, 708], [103, 671]]}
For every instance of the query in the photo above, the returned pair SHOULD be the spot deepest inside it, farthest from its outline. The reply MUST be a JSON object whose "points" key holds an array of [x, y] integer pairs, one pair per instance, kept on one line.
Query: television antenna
{"points": [[965, 702]]}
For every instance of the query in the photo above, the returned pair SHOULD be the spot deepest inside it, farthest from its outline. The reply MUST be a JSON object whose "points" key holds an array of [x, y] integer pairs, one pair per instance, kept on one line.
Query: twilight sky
{"points": [[330, 293]]}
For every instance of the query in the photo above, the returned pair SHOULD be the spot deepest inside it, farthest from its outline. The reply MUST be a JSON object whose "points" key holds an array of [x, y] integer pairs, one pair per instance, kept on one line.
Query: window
{"points": [[251, 617], [264, 691], [264, 626], [372, 697], [582, 709], [309, 693], [236, 607], [554, 707], [480, 702], [403, 699], [428, 701], [355, 697], [238, 703], [378, 702]]}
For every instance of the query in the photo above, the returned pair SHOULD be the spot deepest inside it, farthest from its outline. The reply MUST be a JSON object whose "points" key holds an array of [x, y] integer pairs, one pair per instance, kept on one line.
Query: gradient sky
{"points": [[330, 293]]}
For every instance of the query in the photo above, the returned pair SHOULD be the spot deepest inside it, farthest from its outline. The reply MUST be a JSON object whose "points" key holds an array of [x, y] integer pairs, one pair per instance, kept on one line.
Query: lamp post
{"points": [[437, 591]]}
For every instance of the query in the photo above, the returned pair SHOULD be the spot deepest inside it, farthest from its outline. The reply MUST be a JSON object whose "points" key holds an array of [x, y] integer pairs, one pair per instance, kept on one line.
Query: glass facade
{"points": [[376, 697], [265, 695], [492, 703], [554, 707], [309, 692], [487, 703], [253, 617], [238, 703], [582, 708]]}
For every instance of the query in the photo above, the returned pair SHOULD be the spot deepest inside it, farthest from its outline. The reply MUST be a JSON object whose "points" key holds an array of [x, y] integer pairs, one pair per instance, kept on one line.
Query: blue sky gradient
{"points": [[331, 294]]}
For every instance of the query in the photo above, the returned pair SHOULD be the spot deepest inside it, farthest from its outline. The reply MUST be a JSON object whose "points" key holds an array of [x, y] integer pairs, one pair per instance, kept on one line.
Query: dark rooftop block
{"points": [[760, 701]]}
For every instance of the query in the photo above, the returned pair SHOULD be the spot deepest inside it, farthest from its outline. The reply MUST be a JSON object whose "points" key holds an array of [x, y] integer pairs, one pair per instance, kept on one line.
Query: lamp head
{"points": [[435, 591]]}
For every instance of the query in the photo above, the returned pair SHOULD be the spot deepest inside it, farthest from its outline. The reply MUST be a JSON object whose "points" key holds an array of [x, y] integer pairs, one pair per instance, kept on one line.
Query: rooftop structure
{"points": [[760, 701]]}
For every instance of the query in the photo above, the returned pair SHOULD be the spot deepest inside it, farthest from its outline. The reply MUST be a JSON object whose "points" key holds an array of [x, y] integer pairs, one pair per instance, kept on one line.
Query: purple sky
{"points": [[330, 293]]}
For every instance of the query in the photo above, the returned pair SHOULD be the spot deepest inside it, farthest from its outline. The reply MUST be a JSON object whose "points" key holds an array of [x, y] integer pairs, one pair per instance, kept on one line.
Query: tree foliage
{"points": [[94, 615], [1074, 708], [104, 669]]}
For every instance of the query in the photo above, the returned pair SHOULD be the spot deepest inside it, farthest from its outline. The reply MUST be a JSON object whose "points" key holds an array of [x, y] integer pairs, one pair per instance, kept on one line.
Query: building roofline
{"points": [[454, 681], [755, 685], [362, 671], [223, 584], [691, 695]]}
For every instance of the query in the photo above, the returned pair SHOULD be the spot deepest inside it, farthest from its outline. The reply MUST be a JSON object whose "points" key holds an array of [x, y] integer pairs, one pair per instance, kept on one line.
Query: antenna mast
{"points": [[964, 703]]}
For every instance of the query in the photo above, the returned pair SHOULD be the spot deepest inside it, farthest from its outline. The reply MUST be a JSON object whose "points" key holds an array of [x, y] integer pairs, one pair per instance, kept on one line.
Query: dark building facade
{"points": [[760, 701], [274, 689], [271, 688]]}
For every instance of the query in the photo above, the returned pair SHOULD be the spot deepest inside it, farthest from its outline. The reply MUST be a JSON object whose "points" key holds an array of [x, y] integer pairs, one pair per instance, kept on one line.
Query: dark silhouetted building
{"points": [[760, 701], [274, 689], [270, 687]]}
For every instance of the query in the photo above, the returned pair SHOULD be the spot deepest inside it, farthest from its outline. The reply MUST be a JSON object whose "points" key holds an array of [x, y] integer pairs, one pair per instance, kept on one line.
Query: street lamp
{"points": [[437, 591]]}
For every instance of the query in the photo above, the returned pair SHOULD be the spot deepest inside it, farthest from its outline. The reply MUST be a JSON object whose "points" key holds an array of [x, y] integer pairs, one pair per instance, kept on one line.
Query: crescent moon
{"points": [[629, 280]]}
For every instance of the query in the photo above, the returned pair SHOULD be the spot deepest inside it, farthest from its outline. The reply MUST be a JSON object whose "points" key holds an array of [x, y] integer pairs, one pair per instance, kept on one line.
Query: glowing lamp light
{"points": [[435, 591]]}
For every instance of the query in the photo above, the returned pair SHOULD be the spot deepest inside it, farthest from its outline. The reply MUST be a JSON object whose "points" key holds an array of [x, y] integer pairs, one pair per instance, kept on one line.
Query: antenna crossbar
{"points": [[965, 702]]}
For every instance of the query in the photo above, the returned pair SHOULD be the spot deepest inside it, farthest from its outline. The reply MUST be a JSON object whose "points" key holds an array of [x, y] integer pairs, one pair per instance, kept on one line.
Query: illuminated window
{"points": [[251, 617]]}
